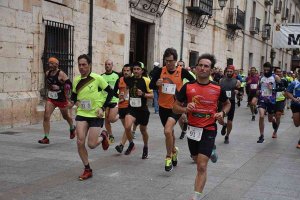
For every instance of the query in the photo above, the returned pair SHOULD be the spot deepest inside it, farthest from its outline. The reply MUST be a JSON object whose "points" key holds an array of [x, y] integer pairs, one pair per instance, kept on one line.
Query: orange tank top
{"points": [[123, 94], [171, 83]]}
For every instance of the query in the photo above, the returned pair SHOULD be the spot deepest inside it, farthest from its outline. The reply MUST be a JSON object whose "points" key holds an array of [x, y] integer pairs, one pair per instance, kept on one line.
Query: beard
{"points": [[229, 75], [268, 74]]}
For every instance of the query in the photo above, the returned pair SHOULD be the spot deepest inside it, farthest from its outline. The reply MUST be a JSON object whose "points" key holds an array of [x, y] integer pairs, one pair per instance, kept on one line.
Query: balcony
{"points": [[268, 2], [236, 19], [201, 7], [266, 31], [254, 25], [277, 6]]}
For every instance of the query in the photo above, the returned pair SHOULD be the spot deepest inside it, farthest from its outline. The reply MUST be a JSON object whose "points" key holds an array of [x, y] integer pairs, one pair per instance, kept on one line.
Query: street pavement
{"points": [[245, 170]]}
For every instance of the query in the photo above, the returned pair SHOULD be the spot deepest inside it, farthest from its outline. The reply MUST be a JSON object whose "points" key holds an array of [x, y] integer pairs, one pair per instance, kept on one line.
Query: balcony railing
{"points": [[236, 19], [268, 2], [201, 7], [254, 25], [277, 6], [266, 31]]}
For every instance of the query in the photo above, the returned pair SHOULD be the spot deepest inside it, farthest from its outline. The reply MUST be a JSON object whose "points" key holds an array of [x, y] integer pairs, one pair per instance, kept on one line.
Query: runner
{"points": [[139, 92], [293, 92], [231, 86], [252, 85], [111, 112], [266, 98], [123, 94], [169, 80], [90, 111], [242, 78], [59, 87], [201, 98]]}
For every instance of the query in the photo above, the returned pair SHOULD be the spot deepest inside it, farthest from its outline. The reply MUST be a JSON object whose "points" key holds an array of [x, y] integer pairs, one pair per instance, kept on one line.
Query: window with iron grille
{"points": [[59, 40]]}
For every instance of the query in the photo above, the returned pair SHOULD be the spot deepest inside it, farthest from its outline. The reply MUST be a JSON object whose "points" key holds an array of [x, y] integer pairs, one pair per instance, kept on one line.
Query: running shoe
{"points": [[105, 142], [130, 148], [111, 139], [119, 148], [87, 173], [226, 141], [44, 141], [253, 118], [145, 153], [274, 135], [214, 155], [261, 139], [73, 132], [298, 146], [175, 157], [182, 135], [168, 164], [224, 128]]}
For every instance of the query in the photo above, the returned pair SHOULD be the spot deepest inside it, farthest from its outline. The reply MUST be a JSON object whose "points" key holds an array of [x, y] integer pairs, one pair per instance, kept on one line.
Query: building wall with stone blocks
{"points": [[22, 38]]}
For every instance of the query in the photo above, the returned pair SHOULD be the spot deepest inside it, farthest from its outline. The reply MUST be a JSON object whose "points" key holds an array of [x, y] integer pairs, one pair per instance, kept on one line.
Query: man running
{"points": [[293, 92], [139, 114], [266, 98], [201, 99], [252, 85], [111, 112], [91, 104], [59, 87], [231, 86], [169, 80], [123, 94]]}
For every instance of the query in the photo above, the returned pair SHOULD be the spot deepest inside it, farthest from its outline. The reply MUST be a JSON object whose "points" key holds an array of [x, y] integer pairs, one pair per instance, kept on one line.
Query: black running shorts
{"points": [[165, 113], [92, 121]]}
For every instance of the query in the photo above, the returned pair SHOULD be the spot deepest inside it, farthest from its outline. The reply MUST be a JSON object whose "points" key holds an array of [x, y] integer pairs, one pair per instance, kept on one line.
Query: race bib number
{"points": [[279, 94], [135, 102], [228, 94], [266, 93], [86, 105], [53, 95], [194, 133], [253, 86], [168, 88]]}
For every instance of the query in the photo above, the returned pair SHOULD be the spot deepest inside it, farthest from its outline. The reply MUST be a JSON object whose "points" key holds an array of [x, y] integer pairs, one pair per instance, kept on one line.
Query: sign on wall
{"points": [[286, 36]]}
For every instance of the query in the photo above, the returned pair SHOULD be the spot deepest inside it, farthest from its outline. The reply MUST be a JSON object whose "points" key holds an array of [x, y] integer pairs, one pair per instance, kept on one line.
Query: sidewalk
{"points": [[245, 170]]}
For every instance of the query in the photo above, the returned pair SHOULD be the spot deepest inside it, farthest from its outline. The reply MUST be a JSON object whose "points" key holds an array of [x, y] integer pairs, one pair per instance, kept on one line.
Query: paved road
{"points": [[245, 170]]}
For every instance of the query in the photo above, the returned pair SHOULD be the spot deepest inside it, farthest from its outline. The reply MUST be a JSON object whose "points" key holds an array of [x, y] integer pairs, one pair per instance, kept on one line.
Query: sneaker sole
{"points": [[83, 179]]}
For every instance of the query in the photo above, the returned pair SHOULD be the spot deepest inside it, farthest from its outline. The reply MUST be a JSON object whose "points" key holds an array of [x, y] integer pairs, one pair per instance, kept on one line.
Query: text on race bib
{"points": [[135, 102], [86, 104], [168, 88], [194, 133], [228, 94], [266, 92], [253, 86], [53, 94]]}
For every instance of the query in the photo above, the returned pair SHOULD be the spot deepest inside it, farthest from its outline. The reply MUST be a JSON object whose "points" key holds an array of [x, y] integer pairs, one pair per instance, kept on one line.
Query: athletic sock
{"points": [[46, 135], [197, 195], [87, 166]]}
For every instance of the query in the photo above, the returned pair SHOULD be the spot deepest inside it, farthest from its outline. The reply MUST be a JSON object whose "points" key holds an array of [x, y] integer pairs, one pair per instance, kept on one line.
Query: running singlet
{"points": [[89, 97], [172, 83], [123, 91], [57, 95], [138, 102], [252, 83], [267, 89], [294, 88], [206, 98], [229, 85], [111, 79]]}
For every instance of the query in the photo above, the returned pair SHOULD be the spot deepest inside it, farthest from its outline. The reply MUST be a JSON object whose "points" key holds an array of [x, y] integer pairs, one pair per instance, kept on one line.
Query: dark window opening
{"points": [[193, 58]]}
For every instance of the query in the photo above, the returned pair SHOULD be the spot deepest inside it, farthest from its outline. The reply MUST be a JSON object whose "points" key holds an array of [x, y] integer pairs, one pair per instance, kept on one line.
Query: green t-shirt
{"points": [[88, 96], [111, 79]]}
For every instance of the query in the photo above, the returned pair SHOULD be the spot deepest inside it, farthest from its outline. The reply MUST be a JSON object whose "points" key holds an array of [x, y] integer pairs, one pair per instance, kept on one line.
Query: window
{"points": [[250, 60], [193, 58]]}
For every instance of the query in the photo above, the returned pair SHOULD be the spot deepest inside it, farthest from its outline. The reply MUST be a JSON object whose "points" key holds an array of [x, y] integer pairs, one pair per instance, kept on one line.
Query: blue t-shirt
{"points": [[294, 88]]}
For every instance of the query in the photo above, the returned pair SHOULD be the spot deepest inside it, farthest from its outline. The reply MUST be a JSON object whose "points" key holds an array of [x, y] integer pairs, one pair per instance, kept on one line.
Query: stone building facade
{"points": [[125, 31]]}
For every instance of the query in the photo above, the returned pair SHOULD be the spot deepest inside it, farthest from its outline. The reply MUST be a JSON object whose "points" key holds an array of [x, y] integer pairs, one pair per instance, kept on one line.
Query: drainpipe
{"points": [[90, 48], [244, 35], [182, 29], [267, 45]]}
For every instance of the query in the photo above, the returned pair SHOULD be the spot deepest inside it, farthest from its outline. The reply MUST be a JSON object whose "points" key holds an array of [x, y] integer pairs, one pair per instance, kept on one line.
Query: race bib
{"points": [[135, 102], [253, 86], [279, 94], [53, 94], [194, 133], [86, 105], [168, 88], [266, 93], [228, 94]]}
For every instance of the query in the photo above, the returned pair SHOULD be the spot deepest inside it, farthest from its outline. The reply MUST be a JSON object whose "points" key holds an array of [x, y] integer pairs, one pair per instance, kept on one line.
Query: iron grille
{"points": [[59, 42]]}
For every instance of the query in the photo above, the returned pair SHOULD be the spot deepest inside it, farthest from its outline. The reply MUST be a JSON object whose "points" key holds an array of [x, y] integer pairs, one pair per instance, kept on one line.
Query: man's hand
{"points": [[159, 82], [100, 113], [219, 116], [139, 92], [190, 107], [55, 87]]}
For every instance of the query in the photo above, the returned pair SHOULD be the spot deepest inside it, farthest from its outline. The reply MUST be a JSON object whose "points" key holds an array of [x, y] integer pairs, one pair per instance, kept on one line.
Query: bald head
{"points": [[108, 66]]}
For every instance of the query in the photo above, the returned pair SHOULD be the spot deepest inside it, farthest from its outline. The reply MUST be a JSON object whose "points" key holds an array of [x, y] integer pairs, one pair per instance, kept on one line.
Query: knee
{"points": [[80, 143], [66, 117], [201, 168], [92, 145], [168, 132]]}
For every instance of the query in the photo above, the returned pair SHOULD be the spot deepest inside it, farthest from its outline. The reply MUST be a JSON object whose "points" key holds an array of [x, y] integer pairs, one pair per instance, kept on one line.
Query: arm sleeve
{"points": [[156, 75], [116, 88], [186, 74], [181, 95], [74, 97], [109, 96], [223, 97]]}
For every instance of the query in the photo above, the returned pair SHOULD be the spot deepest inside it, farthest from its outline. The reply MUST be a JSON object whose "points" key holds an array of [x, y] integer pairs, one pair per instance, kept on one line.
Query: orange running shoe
{"points": [[87, 173], [105, 142], [44, 141]]}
